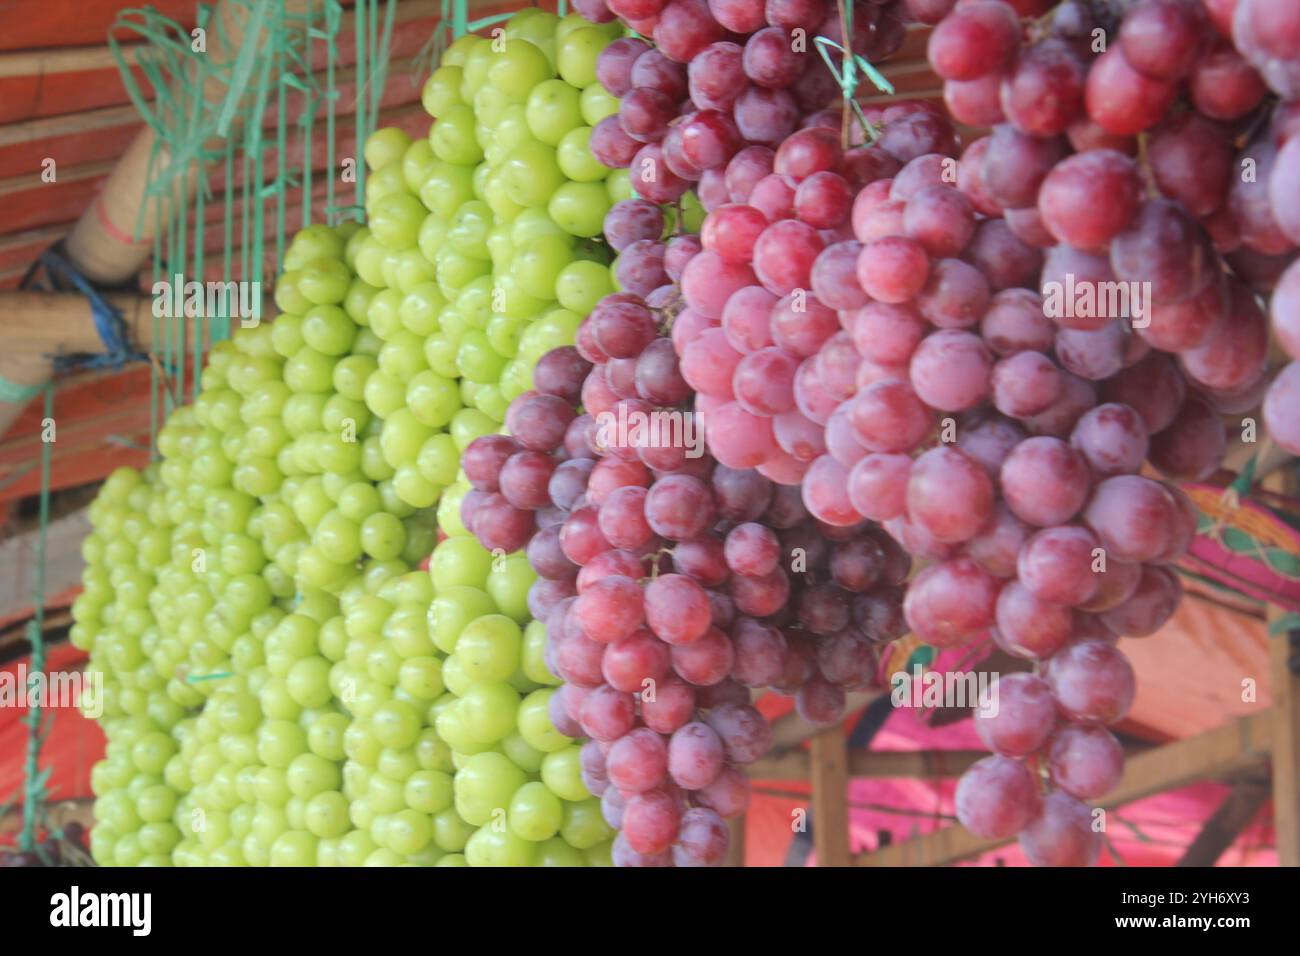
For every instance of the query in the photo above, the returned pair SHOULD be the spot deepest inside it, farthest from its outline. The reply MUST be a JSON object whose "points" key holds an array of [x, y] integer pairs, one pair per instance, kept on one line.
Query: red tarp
{"points": [[72, 747]]}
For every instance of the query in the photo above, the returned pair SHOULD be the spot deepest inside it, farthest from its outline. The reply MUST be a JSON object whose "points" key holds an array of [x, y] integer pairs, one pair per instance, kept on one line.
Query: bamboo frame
{"points": [[1284, 658], [1232, 816], [872, 764], [828, 757], [1243, 745], [790, 731]]}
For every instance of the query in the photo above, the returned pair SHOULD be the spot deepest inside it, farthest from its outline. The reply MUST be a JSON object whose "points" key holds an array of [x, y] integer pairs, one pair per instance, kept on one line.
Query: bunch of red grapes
{"points": [[900, 335], [671, 586], [1118, 159]]}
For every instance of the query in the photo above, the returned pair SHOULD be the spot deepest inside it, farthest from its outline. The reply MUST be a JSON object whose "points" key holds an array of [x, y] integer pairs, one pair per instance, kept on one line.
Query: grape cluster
{"points": [[1038, 515], [671, 586], [901, 334], [1183, 175]]}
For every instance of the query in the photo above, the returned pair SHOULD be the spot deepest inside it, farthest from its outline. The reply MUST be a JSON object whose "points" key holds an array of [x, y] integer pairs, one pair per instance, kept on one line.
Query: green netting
{"points": [[34, 778], [240, 98]]}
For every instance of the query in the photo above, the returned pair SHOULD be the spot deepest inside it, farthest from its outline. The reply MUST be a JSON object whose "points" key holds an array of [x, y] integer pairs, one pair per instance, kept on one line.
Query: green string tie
{"points": [[847, 75], [13, 393]]}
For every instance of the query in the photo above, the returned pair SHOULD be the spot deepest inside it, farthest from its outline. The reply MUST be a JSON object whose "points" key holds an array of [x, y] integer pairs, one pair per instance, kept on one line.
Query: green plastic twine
{"points": [[359, 114], [13, 393], [1285, 624], [34, 778], [847, 75], [459, 18], [170, 84], [1246, 477]]}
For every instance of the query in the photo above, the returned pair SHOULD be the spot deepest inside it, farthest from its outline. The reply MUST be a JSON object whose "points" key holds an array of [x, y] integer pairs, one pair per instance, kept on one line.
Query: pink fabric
{"points": [[1151, 832]]}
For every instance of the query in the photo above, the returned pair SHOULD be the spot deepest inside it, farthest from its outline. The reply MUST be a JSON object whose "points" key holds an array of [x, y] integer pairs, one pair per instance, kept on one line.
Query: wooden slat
{"points": [[1284, 666], [85, 138], [1286, 751], [31, 24], [65, 175], [1238, 746], [24, 63], [736, 841], [872, 764], [792, 730], [829, 771], [65, 60], [51, 127], [1233, 816]]}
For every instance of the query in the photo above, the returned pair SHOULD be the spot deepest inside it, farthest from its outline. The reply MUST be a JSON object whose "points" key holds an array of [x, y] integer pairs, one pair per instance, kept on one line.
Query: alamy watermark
{"points": [[75, 908], [928, 689], [77, 689], [1086, 299], [208, 300], [661, 428]]}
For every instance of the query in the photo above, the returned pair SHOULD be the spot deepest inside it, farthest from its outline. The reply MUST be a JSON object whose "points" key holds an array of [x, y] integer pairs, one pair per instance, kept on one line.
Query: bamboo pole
{"points": [[103, 244], [37, 326], [49, 323], [1284, 659], [1232, 816]]}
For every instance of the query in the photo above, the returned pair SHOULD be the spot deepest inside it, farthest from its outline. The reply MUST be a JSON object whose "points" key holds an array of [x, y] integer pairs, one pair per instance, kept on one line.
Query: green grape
{"points": [[489, 648], [580, 208], [453, 139], [477, 360], [395, 220], [485, 784], [580, 285], [487, 710], [441, 90], [552, 110], [595, 103], [535, 813], [503, 334], [323, 281], [576, 55], [538, 264], [575, 159], [432, 399], [413, 269], [417, 163], [531, 173], [618, 186], [562, 773], [555, 852]]}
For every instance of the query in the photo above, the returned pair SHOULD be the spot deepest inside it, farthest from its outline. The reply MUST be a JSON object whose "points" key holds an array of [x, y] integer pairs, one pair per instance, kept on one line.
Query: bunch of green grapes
{"points": [[282, 685], [478, 256]]}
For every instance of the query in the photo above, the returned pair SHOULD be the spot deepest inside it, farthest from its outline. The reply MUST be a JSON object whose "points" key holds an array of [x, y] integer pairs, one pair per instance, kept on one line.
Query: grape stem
{"points": [[847, 74], [1144, 165]]}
